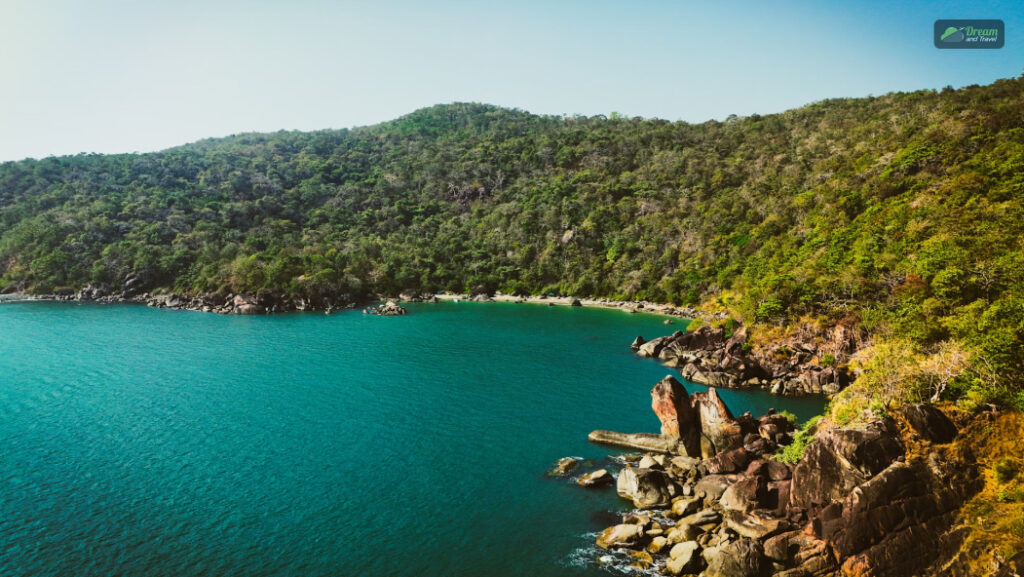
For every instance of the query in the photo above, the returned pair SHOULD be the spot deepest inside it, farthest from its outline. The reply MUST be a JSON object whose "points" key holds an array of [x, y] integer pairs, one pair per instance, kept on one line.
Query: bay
{"points": [[145, 442]]}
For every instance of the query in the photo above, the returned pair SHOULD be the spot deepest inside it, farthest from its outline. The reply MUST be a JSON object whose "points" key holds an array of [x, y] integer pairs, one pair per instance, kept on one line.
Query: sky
{"points": [[113, 76]]}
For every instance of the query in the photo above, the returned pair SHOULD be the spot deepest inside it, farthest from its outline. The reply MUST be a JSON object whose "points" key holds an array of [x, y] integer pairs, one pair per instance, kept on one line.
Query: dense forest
{"points": [[902, 213]]}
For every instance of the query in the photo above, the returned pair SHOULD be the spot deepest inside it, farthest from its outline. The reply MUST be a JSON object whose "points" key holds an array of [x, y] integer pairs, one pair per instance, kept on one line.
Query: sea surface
{"points": [[144, 442]]}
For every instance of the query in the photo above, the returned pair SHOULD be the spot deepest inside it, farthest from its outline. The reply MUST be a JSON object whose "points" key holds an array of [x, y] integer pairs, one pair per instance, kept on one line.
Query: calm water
{"points": [[143, 442]]}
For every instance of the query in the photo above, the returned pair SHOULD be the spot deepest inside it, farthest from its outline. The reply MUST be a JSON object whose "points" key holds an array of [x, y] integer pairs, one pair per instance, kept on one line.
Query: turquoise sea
{"points": [[145, 442]]}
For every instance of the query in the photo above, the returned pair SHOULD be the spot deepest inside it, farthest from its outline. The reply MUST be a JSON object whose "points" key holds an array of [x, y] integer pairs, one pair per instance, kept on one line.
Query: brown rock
{"points": [[838, 460], [745, 495], [753, 526], [678, 419], [930, 423], [742, 558], [647, 488], [719, 430], [624, 535], [595, 479], [728, 462]]}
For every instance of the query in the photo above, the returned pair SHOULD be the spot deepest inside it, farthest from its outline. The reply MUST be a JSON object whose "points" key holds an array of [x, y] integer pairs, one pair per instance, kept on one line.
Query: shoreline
{"points": [[252, 304], [685, 313]]}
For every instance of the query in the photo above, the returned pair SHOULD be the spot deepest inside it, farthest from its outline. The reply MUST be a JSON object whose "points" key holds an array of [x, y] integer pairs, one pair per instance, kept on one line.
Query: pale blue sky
{"points": [[142, 75]]}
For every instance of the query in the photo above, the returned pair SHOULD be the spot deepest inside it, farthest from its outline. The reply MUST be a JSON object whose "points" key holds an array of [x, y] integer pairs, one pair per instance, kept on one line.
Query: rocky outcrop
{"points": [[638, 441], [707, 357], [247, 305], [838, 460], [388, 309], [700, 426], [679, 419], [876, 500]]}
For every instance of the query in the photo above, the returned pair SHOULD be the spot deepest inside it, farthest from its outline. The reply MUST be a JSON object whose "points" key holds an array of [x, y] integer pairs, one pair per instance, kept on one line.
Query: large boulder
{"points": [[652, 348], [734, 461], [742, 558], [595, 478], [624, 535], [711, 487], [838, 460], [745, 495], [678, 418], [684, 558], [719, 430], [647, 488], [247, 305]]}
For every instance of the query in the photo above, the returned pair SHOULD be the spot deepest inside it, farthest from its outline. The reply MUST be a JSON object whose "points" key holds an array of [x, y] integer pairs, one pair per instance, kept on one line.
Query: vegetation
{"points": [[793, 452], [903, 212]]}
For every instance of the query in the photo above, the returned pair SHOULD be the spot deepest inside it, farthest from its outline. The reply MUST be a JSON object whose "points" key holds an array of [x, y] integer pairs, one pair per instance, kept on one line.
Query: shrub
{"points": [[793, 452], [1005, 469]]}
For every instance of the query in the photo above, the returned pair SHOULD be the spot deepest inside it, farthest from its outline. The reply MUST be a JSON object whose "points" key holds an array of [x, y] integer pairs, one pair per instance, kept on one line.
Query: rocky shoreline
{"points": [[709, 357], [265, 303], [712, 498]]}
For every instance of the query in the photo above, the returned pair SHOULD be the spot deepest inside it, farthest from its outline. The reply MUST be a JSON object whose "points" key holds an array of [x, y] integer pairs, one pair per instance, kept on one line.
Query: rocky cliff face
{"points": [[878, 500]]}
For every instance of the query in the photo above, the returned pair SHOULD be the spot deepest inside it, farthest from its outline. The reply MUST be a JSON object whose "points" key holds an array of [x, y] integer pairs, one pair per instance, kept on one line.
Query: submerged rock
{"points": [[563, 467]]}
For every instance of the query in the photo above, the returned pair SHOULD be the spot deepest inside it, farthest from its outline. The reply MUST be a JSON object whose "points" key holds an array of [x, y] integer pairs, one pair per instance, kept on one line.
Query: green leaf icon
{"points": [[949, 31]]}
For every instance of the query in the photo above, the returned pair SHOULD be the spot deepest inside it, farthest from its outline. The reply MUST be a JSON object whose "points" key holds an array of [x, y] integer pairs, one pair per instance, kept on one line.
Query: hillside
{"points": [[901, 214]]}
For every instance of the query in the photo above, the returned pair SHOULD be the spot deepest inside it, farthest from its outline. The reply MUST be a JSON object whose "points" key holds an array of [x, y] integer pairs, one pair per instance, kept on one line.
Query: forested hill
{"points": [[904, 211]]}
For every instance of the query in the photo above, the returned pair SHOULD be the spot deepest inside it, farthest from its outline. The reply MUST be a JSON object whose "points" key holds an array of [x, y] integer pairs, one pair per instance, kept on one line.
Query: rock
{"points": [[719, 430], [684, 463], [703, 519], [678, 419], [682, 532], [742, 558], [652, 348], [889, 523], [637, 343], [728, 462], [624, 535], [745, 495], [643, 560], [657, 544], [684, 506], [637, 519], [838, 460], [563, 467], [596, 478], [778, 471], [684, 558], [575, 303], [648, 462], [711, 487], [930, 423], [638, 441], [247, 305], [647, 488], [389, 309], [753, 526]]}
